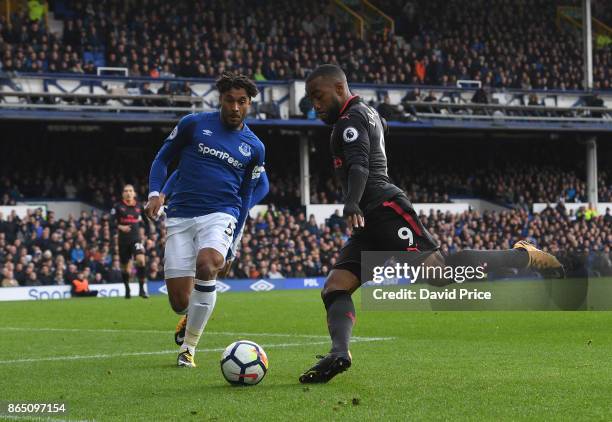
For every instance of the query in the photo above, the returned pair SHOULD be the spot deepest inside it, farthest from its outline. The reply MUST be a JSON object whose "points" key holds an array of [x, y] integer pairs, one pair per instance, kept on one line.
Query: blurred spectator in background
{"points": [[114, 274], [36, 10], [269, 108], [306, 108], [166, 89], [388, 110], [500, 43], [8, 279], [80, 287], [274, 273]]}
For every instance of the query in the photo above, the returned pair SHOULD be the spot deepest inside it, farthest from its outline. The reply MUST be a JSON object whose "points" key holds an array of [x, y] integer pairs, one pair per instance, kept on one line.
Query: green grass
{"points": [[439, 365]]}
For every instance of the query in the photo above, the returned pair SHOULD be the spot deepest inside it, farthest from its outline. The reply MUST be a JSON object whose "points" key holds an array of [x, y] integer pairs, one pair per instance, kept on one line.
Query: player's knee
{"points": [[330, 287], [179, 303], [208, 269], [329, 295], [340, 280]]}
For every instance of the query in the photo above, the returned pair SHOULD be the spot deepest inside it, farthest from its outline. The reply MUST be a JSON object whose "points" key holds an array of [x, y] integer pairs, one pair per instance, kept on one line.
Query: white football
{"points": [[244, 363]]}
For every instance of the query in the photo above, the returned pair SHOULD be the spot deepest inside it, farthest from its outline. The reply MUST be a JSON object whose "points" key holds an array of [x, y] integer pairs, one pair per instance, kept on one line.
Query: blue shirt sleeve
{"points": [[261, 189], [174, 143], [169, 185], [252, 176]]}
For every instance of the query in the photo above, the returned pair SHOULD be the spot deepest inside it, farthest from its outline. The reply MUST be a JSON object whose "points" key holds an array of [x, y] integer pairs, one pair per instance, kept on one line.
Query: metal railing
{"points": [[101, 102], [438, 110], [413, 110]]}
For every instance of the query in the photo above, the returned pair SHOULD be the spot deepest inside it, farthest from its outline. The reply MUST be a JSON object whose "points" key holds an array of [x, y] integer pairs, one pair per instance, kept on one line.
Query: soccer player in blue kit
{"points": [[261, 190], [220, 162]]}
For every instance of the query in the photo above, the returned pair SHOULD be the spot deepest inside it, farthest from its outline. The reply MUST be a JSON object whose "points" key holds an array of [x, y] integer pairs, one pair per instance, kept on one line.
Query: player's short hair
{"points": [[229, 80], [327, 71]]}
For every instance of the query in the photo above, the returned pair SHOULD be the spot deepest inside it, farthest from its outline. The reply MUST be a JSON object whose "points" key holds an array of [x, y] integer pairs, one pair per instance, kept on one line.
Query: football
{"points": [[244, 363]]}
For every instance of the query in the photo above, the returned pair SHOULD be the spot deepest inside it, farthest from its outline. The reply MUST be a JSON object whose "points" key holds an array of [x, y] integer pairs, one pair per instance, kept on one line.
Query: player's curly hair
{"points": [[229, 80]]}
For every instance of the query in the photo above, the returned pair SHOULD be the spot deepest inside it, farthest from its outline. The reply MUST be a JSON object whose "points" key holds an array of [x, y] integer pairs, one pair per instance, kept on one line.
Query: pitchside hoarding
{"points": [[159, 287]]}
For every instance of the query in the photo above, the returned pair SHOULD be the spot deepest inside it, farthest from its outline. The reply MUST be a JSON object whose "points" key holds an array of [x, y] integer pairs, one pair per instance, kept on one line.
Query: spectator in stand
{"points": [[273, 273], [45, 277], [155, 273], [80, 287], [8, 279], [166, 89], [480, 97], [114, 274], [59, 278], [77, 254], [388, 111]]}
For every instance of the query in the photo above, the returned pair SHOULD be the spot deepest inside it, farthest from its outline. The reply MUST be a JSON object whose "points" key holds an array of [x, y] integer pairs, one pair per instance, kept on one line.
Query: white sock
{"points": [[201, 305]]}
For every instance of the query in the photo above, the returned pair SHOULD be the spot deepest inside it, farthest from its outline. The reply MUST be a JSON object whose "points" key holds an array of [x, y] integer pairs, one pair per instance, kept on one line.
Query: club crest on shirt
{"points": [[350, 134], [245, 149]]}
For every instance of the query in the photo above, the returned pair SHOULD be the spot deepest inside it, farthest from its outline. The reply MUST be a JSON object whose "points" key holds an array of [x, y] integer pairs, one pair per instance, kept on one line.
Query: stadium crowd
{"points": [[501, 43], [528, 174], [38, 250], [528, 185], [280, 243]]}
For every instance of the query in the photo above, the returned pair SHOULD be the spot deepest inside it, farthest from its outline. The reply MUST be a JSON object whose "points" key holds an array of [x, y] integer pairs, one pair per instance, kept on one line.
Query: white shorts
{"points": [[186, 236]]}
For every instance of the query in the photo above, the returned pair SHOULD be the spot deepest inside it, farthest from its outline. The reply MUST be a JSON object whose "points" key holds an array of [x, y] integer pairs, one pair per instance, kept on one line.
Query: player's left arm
{"points": [[356, 148], [262, 188], [251, 180], [252, 176], [255, 187]]}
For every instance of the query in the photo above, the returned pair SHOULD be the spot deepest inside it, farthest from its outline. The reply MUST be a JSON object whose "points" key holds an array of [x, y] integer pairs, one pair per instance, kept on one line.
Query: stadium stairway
{"points": [[367, 17], [572, 16]]}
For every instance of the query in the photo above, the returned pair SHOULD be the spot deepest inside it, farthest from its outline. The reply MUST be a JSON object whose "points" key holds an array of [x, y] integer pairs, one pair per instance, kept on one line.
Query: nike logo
{"points": [[179, 338], [204, 303], [246, 375]]}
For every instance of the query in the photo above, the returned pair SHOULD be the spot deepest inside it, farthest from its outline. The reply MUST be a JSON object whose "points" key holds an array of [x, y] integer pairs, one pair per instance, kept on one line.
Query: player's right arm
{"points": [[168, 188], [117, 220], [172, 146]]}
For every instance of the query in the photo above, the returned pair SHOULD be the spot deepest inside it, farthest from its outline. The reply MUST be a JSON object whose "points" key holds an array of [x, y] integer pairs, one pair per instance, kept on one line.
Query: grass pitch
{"points": [[113, 359]]}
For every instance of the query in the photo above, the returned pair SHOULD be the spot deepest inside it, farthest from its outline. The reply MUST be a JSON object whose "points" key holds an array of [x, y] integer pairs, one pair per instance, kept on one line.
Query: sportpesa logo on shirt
{"points": [[222, 155]]}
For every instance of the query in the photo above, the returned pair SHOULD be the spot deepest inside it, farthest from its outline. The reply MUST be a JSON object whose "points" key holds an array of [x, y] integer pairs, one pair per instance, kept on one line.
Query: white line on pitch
{"points": [[165, 352], [218, 333]]}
